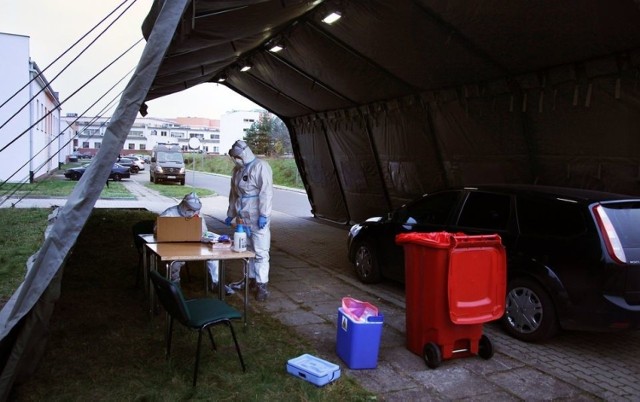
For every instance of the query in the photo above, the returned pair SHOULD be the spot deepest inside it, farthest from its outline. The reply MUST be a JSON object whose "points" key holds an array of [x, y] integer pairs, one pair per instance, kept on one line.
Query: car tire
{"points": [[530, 315], [485, 348], [117, 177], [76, 176], [182, 182], [366, 263], [134, 169]]}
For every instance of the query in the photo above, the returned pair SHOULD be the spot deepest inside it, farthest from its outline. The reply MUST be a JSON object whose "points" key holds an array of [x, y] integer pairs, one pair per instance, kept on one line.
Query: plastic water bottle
{"points": [[240, 239]]}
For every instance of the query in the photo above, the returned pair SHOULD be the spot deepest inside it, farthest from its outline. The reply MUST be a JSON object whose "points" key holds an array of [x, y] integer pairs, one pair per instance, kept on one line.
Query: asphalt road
{"points": [[288, 201]]}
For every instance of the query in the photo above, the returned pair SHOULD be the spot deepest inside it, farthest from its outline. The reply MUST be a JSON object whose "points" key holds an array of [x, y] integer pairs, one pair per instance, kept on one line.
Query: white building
{"points": [[234, 126], [29, 115], [216, 137]]}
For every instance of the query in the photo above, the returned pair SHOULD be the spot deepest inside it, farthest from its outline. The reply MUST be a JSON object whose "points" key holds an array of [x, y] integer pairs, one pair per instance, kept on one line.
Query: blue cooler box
{"points": [[357, 343], [313, 369]]}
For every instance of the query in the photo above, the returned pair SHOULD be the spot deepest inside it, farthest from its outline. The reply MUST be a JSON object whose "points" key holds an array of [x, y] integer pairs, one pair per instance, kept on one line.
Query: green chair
{"points": [[196, 314]]}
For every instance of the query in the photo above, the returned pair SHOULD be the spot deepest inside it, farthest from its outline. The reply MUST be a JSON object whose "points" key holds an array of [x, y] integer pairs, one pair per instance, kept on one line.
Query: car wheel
{"points": [[529, 313], [366, 263], [182, 182], [76, 176], [134, 169], [117, 177], [432, 355]]}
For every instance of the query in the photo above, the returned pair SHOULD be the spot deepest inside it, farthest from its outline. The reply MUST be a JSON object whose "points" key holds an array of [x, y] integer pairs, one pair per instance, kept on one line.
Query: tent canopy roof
{"points": [[381, 50]]}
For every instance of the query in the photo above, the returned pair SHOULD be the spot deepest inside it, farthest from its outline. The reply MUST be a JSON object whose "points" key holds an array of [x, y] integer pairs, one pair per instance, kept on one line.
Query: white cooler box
{"points": [[313, 369]]}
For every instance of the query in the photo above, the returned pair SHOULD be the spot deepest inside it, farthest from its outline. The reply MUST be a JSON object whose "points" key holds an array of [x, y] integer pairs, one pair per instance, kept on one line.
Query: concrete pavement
{"points": [[310, 274]]}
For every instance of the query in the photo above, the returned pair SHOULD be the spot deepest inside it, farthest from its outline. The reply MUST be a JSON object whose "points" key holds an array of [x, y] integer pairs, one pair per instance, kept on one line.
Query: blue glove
{"points": [[228, 221], [262, 222]]}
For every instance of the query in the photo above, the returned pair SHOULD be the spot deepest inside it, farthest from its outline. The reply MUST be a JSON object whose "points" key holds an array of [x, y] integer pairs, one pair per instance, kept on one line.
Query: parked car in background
{"points": [[167, 164], [573, 256], [138, 161], [134, 167], [118, 172]]}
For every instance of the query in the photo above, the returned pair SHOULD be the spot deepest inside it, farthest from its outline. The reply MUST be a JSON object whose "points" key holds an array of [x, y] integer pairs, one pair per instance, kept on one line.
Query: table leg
{"points": [[245, 273]]}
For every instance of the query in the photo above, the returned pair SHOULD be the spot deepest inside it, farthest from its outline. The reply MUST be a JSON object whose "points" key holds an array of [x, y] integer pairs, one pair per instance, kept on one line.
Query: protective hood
{"points": [[241, 150], [190, 205]]}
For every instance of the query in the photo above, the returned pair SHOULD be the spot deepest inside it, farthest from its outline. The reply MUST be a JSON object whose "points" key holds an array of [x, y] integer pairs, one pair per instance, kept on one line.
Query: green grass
{"points": [[21, 233], [103, 345], [54, 187], [178, 191], [285, 170]]}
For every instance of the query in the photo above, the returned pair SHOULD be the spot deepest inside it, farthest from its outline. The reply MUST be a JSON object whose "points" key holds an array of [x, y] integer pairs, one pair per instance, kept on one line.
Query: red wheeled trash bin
{"points": [[454, 283]]}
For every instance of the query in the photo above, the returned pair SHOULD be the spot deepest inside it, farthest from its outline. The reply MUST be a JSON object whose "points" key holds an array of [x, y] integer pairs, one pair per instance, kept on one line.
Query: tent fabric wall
{"points": [[29, 307], [553, 129]]}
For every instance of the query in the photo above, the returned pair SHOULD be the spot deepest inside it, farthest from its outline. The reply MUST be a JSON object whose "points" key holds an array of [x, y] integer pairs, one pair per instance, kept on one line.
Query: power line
{"points": [[67, 66], [64, 53], [70, 96]]}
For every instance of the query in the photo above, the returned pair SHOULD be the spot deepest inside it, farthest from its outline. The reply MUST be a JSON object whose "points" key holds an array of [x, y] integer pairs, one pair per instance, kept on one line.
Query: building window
{"points": [[85, 144], [177, 134], [163, 133], [215, 136], [132, 145], [143, 147], [96, 145], [154, 132]]}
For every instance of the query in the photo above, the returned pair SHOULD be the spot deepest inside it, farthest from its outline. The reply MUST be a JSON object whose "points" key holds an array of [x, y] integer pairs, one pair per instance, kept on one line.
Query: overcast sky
{"points": [[54, 25]]}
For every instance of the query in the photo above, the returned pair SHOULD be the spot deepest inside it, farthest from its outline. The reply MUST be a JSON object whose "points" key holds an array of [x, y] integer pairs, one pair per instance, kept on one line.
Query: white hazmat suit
{"points": [[250, 200], [190, 207]]}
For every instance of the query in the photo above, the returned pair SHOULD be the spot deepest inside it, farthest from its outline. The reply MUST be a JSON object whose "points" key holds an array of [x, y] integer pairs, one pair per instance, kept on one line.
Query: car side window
{"points": [[433, 209], [486, 211], [541, 217]]}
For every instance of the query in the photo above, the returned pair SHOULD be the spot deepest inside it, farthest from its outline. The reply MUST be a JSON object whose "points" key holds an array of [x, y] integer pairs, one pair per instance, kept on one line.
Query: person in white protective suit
{"points": [[250, 200], [190, 207]]}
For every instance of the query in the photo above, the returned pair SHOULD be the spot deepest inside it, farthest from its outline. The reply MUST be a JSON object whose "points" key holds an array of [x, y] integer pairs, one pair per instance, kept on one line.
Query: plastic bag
{"points": [[358, 310]]}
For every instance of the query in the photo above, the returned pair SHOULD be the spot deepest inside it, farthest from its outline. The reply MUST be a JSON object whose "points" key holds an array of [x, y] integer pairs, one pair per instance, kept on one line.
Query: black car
{"points": [[573, 256], [118, 172]]}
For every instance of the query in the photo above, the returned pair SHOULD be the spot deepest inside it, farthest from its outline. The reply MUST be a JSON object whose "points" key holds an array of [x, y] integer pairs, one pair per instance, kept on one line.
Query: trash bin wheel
{"points": [[432, 355], [485, 348]]}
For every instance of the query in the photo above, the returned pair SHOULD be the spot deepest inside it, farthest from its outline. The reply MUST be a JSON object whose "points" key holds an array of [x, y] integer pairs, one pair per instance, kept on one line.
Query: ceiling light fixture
{"points": [[276, 48], [222, 78], [246, 67], [331, 17]]}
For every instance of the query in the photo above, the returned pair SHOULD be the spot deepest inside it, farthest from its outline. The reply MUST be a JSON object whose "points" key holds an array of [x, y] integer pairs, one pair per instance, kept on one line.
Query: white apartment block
{"points": [[216, 137], [29, 116], [234, 125]]}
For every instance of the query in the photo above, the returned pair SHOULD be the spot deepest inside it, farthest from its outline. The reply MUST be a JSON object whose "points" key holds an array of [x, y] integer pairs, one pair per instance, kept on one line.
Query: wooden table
{"points": [[194, 251]]}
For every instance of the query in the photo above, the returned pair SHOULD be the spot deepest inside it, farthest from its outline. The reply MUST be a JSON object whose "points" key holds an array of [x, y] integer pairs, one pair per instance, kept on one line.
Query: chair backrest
{"points": [[171, 298], [141, 227]]}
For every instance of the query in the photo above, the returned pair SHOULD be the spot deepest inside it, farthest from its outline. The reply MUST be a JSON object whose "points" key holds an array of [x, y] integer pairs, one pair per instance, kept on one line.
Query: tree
{"points": [[258, 136], [268, 136]]}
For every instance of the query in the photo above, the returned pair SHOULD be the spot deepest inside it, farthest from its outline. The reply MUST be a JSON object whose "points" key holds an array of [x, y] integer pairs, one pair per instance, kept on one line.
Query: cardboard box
{"points": [[178, 229], [313, 369]]}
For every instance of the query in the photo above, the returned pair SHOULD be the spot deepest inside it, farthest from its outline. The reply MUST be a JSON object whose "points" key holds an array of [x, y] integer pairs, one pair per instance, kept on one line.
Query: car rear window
{"points": [[625, 218], [549, 217]]}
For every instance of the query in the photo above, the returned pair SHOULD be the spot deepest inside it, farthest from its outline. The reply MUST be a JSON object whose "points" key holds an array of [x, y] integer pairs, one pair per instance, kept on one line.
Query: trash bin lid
{"points": [[477, 281]]}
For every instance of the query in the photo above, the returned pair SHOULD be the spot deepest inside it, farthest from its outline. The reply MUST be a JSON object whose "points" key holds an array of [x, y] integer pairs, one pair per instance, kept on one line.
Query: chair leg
{"points": [[169, 335], [195, 369], [233, 334], [213, 344], [139, 269]]}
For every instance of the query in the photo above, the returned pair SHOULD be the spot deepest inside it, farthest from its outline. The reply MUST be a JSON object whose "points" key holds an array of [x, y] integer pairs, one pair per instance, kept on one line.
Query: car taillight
{"points": [[614, 247]]}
